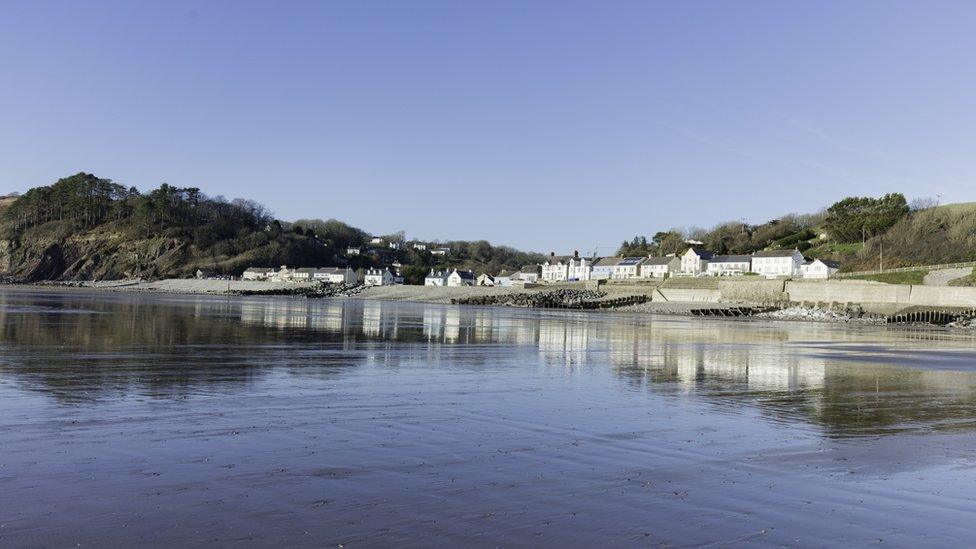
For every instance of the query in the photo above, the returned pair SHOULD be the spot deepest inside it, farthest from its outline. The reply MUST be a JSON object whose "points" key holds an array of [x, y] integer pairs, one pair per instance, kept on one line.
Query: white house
{"points": [[395, 245], [503, 278], [660, 267], [485, 280], [351, 250], [777, 263], [334, 275], [376, 240], [378, 277], [440, 251], [556, 268], [580, 268], [729, 265], [530, 274], [258, 273], [303, 275], [695, 260], [419, 246], [283, 274], [435, 278], [627, 267], [460, 278], [603, 269], [819, 269]]}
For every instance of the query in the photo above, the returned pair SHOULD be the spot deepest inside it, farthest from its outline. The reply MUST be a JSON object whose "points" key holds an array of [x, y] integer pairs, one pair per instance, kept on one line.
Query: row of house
{"points": [[333, 275], [696, 261], [455, 277]]}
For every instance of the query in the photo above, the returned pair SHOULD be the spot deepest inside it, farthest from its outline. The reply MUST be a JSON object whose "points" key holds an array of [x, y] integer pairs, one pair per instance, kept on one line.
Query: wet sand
{"points": [[157, 419]]}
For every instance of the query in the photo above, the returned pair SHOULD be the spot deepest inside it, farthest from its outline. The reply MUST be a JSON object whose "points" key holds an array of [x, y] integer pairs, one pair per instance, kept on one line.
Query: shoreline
{"points": [[444, 296]]}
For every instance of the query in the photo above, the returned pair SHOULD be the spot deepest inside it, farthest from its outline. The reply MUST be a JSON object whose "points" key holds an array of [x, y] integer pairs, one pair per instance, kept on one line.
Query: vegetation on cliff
{"points": [[86, 227]]}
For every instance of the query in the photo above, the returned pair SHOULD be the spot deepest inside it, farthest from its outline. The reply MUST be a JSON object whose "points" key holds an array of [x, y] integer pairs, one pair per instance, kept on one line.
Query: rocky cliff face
{"points": [[92, 257]]}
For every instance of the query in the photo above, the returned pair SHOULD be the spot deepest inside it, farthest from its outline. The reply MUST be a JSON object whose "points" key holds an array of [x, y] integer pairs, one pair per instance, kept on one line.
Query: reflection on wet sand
{"points": [[787, 370], [304, 422]]}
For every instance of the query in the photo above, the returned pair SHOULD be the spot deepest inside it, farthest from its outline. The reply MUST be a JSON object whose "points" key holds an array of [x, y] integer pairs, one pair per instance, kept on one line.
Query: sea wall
{"points": [[876, 292], [752, 290]]}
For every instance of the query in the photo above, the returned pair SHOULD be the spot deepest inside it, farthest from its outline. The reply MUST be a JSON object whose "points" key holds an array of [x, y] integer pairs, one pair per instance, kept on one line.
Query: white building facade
{"points": [[729, 265], [777, 263]]}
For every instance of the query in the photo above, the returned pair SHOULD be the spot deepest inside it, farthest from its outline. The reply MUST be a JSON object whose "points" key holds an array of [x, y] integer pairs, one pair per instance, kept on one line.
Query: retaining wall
{"points": [[858, 292], [943, 296], [752, 291], [687, 295]]}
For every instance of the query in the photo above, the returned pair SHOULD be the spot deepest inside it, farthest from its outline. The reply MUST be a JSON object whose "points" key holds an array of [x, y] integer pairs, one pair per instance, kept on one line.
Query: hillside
{"points": [[853, 231], [86, 228]]}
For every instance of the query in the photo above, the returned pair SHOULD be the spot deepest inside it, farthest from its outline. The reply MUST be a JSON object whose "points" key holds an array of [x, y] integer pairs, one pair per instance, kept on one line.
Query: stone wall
{"points": [[752, 290]]}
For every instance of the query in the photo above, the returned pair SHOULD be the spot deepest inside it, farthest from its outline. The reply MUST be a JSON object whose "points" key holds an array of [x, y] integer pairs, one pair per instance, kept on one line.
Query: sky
{"points": [[548, 126]]}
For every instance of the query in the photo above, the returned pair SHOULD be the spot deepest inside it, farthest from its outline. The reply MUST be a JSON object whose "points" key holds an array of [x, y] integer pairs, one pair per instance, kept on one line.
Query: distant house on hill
{"points": [[729, 265], [419, 246], [660, 267], [354, 250], [627, 267], [819, 269], [440, 251], [305, 274], [335, 275], [695, 260], [460, 278], [777, 263], [378, 277], [257, 273], [603, 269], [530, 274], [435, 278], [503, 278]]}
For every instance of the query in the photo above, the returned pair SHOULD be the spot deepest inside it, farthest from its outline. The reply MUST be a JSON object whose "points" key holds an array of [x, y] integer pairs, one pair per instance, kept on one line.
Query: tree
{"points": [[855, 218]]}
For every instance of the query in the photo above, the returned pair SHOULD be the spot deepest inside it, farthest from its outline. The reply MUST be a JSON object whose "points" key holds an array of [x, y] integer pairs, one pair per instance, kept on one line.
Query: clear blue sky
{"points": [[544, 125]]}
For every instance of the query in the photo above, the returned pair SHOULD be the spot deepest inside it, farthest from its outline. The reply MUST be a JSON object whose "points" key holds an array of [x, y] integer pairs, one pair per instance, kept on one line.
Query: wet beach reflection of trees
{"points": [[845, 381]]}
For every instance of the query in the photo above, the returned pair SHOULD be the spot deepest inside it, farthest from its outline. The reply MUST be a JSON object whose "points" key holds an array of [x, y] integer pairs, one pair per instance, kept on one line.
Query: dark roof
{"points": [[658, 260], [701, 252], [608, 262], [552, 260], [330, 270], [629, 261], [467, 275], [731, 259], [774, 253], [258, 269], [307, 270], [829, 262]]}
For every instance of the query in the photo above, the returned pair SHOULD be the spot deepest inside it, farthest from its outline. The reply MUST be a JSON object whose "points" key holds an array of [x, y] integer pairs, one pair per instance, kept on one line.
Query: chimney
{"points": [[552, 254], [575, 254]]}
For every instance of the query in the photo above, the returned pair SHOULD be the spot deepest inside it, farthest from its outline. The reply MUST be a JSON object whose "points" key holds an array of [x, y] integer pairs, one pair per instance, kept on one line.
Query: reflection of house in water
{"points": [[372, 318], [563, 339], [276, 314], [433, 323]]}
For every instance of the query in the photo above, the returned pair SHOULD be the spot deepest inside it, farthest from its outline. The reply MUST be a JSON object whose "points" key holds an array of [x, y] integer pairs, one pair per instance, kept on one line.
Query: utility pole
{"points": [[881, 256]]}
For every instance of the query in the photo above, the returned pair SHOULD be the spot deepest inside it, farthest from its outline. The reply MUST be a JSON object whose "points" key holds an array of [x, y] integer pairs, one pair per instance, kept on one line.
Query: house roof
{"points": [[774, 253], [828, 262], [502, 273], [631, 261], [331, 270], [701, 252], [731, 259], [258, 269], [608, 262], [307, 270], [658, 260], [530, 269], [467, 275]]}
